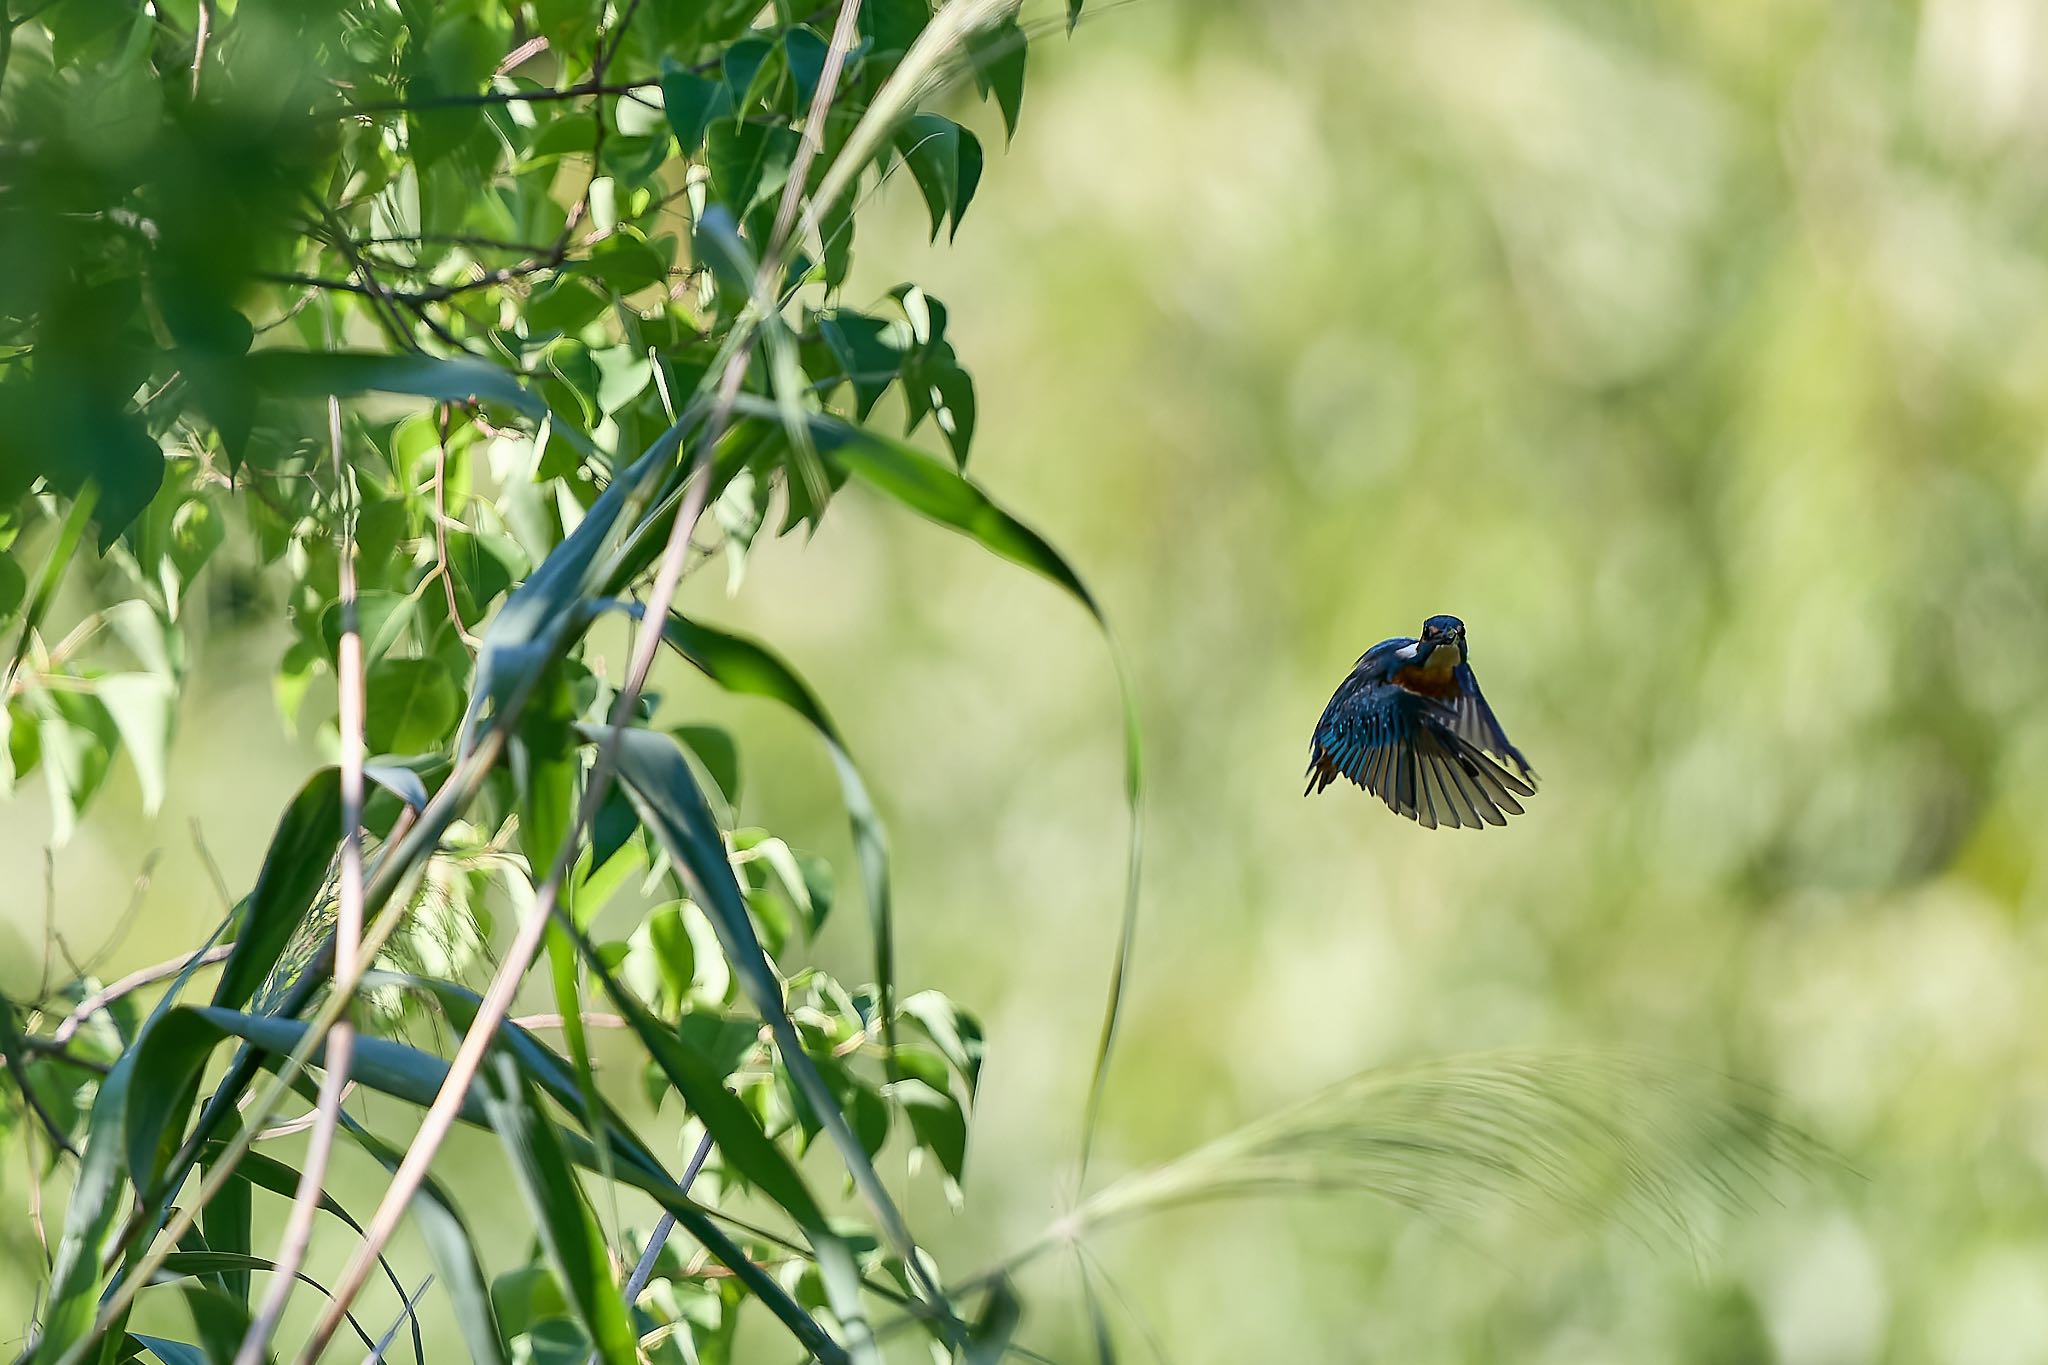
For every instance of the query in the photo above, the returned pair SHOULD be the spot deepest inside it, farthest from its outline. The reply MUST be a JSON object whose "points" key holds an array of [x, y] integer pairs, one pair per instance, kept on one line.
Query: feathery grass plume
{"points": [[1597, 1137], [445, 927]]}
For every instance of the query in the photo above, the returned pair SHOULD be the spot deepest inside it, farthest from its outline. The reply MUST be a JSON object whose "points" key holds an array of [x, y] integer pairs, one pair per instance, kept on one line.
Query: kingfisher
{"points": [[1411, 726]]}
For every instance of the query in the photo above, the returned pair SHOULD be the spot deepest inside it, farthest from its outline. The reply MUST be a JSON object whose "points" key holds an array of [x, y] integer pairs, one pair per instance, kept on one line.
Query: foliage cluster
{"points": [[577, 273]]}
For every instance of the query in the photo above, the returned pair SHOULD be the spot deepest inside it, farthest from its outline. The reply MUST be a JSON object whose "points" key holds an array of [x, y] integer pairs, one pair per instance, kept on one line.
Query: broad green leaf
{"points": [[892, 26], [693, 104], [381, 620], [999, 54], [171, 1352], [956, 1033], [941, 1127], [945, 160], [748, 161], [410, 707], [13, 587], [715, 749], [869, 353], [627, 262], [228, 1223]]}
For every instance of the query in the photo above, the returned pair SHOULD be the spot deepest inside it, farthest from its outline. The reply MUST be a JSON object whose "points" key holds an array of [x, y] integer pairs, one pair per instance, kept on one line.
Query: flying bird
{"points": [[1411, 726]]}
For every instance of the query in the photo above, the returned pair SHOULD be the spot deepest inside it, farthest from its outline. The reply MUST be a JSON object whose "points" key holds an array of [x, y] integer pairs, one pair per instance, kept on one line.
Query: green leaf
{"points": [[13, 586], [749, 162], [346, 373], [869, 352], [998, 55], [693, 104], [931, 489], [294, 868], [566, 305], [228, 1223], [941, 1127], [715, 749], [90, 1219], [143, 706], [996, 1325], [747, 69], [805, 52], [568, 1231], [892, 26], [934, 384], [171, 1352], [671, 806], [410, 707], [945, 159], [628, 263], [747, 667], [625, 372], [381, 620], [956, 1033]]}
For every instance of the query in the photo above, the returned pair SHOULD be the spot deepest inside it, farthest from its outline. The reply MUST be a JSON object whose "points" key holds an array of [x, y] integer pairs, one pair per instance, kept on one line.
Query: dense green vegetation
{"points": [[464, 371]]}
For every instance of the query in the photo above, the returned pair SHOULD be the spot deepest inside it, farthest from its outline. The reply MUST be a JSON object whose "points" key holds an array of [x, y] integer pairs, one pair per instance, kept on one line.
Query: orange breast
{"points": [[1433, 679]]}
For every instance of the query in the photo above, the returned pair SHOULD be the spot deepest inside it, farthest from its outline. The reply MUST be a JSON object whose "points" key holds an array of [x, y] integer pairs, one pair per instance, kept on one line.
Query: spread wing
{"points": [[1405, 749], [1477, 725]]}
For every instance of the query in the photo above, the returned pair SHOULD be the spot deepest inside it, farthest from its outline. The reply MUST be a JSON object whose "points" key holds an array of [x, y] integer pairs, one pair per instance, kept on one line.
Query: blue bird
{"points": [[1411, 727]]}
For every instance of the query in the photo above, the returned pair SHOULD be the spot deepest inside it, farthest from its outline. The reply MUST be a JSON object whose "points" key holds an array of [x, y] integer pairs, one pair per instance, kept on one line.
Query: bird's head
{"points": [[1443, 635]]}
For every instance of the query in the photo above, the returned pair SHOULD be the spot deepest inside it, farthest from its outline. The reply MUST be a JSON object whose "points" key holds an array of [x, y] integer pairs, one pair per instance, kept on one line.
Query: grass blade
{"points": [[294, 870], [664, 791], [568, 1231], [940, 493], [1596, 1136], [749, 668]]}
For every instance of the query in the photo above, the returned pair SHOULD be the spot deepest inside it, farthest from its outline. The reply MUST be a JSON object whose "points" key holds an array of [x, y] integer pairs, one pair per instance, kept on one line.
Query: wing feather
{"points": [[1477, 724], [1426, 759]]}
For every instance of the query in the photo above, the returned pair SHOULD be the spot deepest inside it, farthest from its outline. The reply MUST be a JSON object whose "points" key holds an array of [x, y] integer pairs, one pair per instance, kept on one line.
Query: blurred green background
{"points": [[1697, 356]]}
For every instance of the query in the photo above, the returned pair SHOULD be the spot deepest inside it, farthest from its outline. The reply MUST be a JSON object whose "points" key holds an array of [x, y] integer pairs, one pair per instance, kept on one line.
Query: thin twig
{"points": [[843, 34], [348, 934], [199, 43], [581, 90], [441, 565], [591, 1019], [412, 297], [136, 893], [16, 1069], [127, 985], [643, 1270]]}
